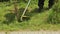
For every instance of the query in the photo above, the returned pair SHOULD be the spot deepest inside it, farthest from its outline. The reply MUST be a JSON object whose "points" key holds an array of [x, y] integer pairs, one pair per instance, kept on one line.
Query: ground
{"points": [[37, 21]]}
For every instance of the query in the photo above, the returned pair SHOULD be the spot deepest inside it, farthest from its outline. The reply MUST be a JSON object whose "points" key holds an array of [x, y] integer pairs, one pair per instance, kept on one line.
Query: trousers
{"points": [[41, 3]]}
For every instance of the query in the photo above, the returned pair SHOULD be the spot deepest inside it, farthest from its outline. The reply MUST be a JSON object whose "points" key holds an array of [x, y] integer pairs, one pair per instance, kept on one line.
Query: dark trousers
{"points": [[41, 3], [51, 3]]}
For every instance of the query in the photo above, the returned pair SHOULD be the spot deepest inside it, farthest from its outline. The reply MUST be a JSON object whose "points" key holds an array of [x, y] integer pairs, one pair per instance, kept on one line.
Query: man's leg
{"points": [[41, 4], [51, 3]]}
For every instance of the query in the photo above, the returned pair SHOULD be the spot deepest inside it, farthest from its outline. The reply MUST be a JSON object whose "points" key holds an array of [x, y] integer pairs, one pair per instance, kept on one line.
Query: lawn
{"points": [[37, 21]]}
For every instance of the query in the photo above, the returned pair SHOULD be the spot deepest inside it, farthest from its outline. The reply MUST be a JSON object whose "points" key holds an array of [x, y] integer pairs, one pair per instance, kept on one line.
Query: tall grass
{"points": [[54, 17]]}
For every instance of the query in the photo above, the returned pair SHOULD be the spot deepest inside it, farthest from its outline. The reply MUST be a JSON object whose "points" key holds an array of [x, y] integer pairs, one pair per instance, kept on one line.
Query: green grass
{"points": [[37, 21]]}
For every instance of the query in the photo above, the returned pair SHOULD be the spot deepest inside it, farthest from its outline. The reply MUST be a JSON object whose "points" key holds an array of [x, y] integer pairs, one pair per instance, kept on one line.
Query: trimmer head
{"points": [[24, 18]]}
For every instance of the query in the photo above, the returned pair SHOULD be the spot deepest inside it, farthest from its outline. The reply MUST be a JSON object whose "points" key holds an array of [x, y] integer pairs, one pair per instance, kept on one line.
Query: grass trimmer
{"points": [[25, 11]]}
